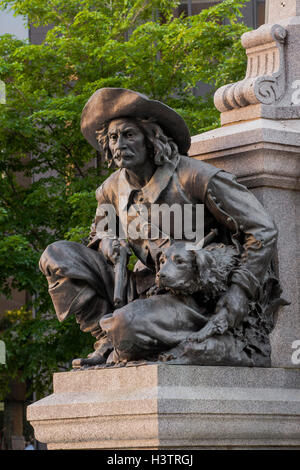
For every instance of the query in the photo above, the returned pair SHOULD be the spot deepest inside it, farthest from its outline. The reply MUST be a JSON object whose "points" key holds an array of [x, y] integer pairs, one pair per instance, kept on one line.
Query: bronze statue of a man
{"points": [[148, 142]]}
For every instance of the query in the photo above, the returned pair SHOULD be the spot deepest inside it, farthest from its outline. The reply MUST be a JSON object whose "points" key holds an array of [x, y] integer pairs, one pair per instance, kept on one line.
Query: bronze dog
{"points": [[204, 272], [184, 269]]}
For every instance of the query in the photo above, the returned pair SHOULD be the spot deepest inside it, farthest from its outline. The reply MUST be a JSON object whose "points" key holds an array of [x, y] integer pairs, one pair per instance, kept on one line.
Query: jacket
{"points": [[228, 206]]}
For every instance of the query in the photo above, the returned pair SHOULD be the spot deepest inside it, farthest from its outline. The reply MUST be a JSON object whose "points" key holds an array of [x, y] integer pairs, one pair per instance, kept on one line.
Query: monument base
{"points": [[164, 406]]}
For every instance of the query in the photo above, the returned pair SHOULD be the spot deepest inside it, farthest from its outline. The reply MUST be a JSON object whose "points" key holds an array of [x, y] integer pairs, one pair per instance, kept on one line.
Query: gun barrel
{"points": [[120, 278]]}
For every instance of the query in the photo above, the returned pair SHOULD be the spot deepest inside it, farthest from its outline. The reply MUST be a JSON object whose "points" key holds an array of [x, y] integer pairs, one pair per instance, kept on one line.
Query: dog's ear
{"points": [[204, 261]]}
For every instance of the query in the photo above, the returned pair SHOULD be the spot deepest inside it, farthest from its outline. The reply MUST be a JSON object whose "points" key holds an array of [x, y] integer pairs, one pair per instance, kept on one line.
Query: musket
{"points": [[120, 269], [207, 239]]}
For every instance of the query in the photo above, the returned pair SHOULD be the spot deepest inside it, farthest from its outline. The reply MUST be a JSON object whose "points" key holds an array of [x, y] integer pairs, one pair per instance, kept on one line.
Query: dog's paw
{"points": [[172, 354], [165, 357]]}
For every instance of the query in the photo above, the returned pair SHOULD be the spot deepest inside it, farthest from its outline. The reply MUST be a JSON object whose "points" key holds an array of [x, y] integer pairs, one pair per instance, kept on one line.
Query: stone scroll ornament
{"points": [[207, 301], [265, 80]]}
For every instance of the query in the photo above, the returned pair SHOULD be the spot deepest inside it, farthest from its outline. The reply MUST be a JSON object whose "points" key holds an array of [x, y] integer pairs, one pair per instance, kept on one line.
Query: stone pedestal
{"points": [[265, 156], [170, 407], [259, 141]]}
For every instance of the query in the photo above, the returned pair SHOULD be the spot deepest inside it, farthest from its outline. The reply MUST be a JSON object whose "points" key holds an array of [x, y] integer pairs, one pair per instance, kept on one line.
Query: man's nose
{"points": [[121, 143]]}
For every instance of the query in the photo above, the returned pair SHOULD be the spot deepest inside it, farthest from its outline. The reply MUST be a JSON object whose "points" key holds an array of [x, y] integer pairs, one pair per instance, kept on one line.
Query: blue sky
{"points": [[13, 25]]}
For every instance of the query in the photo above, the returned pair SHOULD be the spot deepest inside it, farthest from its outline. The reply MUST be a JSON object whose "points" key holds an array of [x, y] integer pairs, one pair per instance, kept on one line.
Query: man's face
{"points": [[127, 144]]}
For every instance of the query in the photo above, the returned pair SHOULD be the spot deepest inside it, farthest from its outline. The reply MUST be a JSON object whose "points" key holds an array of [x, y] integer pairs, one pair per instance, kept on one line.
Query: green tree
{"points": [[48, 179]]}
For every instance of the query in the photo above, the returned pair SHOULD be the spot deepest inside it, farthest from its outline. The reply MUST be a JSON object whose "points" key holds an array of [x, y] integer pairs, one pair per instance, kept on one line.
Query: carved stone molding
{"points": [[265, 80]]}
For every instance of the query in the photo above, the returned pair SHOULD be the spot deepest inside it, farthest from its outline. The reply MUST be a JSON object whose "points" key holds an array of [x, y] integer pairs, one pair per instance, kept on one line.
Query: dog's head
{"points": [[176, 264], [186, 270]]}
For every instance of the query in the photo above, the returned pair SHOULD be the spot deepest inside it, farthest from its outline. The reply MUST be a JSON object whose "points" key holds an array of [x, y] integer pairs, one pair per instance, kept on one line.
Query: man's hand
{"points": [[230, 311]]}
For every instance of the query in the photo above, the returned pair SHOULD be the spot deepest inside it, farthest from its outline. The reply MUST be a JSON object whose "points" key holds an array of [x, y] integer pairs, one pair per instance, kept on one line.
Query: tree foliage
{"points": [[48, 174]]}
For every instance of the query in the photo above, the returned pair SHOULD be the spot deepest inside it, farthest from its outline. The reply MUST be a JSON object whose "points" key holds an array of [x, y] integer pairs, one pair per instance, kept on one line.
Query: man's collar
{"points": [[152, 190]]}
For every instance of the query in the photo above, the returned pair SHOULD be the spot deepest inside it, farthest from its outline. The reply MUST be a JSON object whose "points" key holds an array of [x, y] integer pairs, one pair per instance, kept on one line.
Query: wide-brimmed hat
{"points": [[113, 103]]}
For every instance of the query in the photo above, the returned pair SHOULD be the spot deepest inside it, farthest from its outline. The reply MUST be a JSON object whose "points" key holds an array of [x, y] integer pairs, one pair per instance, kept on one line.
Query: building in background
{"points": [[253, 12], [253, 15]]}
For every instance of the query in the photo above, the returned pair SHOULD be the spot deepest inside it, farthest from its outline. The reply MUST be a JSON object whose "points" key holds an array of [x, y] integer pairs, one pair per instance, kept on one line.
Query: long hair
{"points": [[161, 148]]}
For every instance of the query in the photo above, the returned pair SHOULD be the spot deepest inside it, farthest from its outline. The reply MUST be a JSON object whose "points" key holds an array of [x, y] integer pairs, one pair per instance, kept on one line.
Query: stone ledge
{"points": [[256, 111], [170, 406], [260, 167], [236, 136], [171, 432], [260, 153]]}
